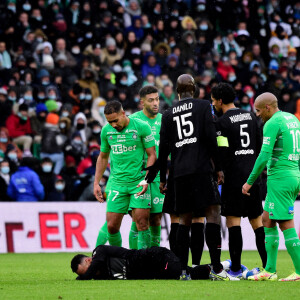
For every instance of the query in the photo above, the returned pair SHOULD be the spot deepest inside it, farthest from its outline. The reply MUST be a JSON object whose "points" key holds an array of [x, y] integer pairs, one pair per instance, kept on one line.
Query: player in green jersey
{"points": [[150, 101], [280, 151], [125, 140]]}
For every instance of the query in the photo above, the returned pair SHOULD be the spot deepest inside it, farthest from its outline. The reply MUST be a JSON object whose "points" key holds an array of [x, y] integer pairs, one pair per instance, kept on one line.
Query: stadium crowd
{"points": [[61, 62]]}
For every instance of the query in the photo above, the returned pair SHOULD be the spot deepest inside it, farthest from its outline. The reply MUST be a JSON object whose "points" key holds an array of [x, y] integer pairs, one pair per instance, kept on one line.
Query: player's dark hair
{"points": [[77, 259], [146, 90], [112, 107], [223, 91]]}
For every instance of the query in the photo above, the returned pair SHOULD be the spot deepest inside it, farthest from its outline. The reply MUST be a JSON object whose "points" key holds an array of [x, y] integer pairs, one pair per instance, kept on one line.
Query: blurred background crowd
{"points": [[62, 61]]}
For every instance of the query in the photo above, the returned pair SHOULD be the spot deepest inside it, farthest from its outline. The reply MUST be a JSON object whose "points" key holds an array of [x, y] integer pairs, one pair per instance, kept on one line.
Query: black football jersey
{"points": [[188, 133], [239, 139]]}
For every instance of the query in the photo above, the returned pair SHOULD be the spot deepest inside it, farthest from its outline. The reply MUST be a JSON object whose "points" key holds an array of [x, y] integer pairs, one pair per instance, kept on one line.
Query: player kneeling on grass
{"points": [[111, 262]]}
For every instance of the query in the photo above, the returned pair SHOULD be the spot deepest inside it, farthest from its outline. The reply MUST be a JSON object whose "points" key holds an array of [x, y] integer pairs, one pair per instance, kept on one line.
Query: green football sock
{"points": [[144, 239], [292, 244], [115, 239], [133, 236], [272, 243], [155, 236], [102, 235]]}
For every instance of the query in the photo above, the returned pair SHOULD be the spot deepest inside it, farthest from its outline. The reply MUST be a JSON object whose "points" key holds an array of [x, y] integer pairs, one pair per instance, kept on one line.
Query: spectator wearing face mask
{"points": [[57, 194], [5, 140], [80, 125], [19, 129], [96, 130], [89, 80], [25, 184], [76, 148], [47, 176], [4, 180], [52, 142], [11, 155]]}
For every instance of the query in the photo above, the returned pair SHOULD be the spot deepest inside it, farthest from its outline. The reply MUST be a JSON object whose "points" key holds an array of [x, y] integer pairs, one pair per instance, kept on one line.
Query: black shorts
{"points": [[235, 203], [194, 193]]}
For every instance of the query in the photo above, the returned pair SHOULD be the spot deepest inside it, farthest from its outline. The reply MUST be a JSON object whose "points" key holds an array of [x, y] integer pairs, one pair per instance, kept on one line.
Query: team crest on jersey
{"points": [[134, 136], [291, 210], [111, 137]]}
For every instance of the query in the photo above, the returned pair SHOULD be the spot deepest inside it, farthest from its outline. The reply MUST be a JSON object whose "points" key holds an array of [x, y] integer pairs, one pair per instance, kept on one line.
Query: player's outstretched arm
{"points": [[101, 165]]}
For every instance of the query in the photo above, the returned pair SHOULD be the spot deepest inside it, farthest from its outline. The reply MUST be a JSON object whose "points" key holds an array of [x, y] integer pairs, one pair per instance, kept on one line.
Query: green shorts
{"points": [[281, 196], [157, 199], [121, 198]]}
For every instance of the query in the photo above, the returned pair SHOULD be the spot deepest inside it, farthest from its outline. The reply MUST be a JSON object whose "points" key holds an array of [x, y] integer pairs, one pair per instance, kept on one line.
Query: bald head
{"points": [[266, 99], [186, 86], [266, 106]]}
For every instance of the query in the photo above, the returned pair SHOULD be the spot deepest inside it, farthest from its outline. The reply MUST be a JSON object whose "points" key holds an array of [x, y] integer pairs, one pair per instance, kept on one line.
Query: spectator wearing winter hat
{"points": [[19, 129], [38, 121], [52, 142], [52, 106], [58, 193], [80, 126], [97, 111], [4, 180], [110, 54]]}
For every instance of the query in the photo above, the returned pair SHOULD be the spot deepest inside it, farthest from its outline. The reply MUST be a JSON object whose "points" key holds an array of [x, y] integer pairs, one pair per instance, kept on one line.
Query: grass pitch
{"points": [[49, 276]]}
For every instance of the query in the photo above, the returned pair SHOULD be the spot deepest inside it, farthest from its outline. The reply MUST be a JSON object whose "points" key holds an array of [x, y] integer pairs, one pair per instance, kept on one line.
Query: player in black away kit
{"points": [[111, 262], [188, 134], [239, 141]]}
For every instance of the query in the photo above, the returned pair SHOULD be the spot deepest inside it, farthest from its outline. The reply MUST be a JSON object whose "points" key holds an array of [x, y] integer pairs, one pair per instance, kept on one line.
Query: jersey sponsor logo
{"points": [[156, 143], [185, 106], [271, 205], [266, 140], [186, 141], [157, 123], [148, 138], [119, 149], [292, 125], [288, 117], [219, 133], [157, 200], [130, 130], [240, 117], [291, 210], [244, 152], [134, 136], [294, 157]]}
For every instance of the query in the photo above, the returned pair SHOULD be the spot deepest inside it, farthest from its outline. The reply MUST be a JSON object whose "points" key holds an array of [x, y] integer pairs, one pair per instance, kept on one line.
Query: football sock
{"points": [[102, 235], [115, 239], [155, 236], [173, 237], [183, 245], [213, 241], [197, 242], [272, 243], [144, 239], [235, 247], [133, 236], [260, 244], [292, 244]]}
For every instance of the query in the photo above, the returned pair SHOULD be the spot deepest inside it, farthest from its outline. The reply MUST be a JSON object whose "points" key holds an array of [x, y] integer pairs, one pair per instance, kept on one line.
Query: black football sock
{"points": [[235, 247], [197, 242], [199, 272], [173, 237], [183, 239], [260, 244], [214, 242]]}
